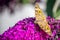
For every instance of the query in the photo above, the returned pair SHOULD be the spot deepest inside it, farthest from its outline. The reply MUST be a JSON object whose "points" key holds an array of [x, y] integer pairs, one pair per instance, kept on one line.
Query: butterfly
{"points": [[41, 20]]}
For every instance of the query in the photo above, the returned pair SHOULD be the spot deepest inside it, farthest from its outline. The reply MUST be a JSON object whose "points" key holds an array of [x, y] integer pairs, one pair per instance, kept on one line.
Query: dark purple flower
{"points": [[26, 29]]}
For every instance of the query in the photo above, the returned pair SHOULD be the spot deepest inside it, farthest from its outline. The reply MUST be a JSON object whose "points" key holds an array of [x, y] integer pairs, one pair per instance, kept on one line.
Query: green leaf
{"points": [[25, 1], [57, 14]]}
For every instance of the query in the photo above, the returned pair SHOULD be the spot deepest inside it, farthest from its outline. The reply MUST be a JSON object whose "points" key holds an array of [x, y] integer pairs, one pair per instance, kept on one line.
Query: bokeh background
{"points": [[11, 11]]}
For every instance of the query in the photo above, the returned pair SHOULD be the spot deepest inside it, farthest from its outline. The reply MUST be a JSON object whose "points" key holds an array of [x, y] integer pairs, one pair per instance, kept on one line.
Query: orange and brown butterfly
{"points": [[41, 20]]}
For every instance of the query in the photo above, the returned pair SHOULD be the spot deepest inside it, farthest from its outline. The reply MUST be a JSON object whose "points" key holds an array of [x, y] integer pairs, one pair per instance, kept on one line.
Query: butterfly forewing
{"points": [[41, 20]]}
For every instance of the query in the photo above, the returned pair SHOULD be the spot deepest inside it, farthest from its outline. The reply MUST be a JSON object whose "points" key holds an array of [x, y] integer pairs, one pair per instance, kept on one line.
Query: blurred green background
{"points": [[52, 7]]}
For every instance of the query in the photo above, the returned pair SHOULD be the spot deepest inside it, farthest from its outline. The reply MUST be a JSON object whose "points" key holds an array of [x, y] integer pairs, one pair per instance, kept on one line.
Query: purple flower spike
{"points": [[26, 29]]}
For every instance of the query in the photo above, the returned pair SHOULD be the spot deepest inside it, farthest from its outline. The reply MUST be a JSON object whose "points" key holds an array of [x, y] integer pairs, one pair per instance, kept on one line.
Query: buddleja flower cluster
{"points": [[26, 29]]}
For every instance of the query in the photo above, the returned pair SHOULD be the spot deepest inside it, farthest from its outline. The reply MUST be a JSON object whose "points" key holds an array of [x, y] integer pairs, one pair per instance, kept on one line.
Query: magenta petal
{"points": [[26, 29]]}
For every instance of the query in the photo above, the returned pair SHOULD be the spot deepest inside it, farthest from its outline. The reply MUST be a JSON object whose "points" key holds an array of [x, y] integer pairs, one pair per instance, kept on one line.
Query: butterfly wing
{"points": [[41, 20]]}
